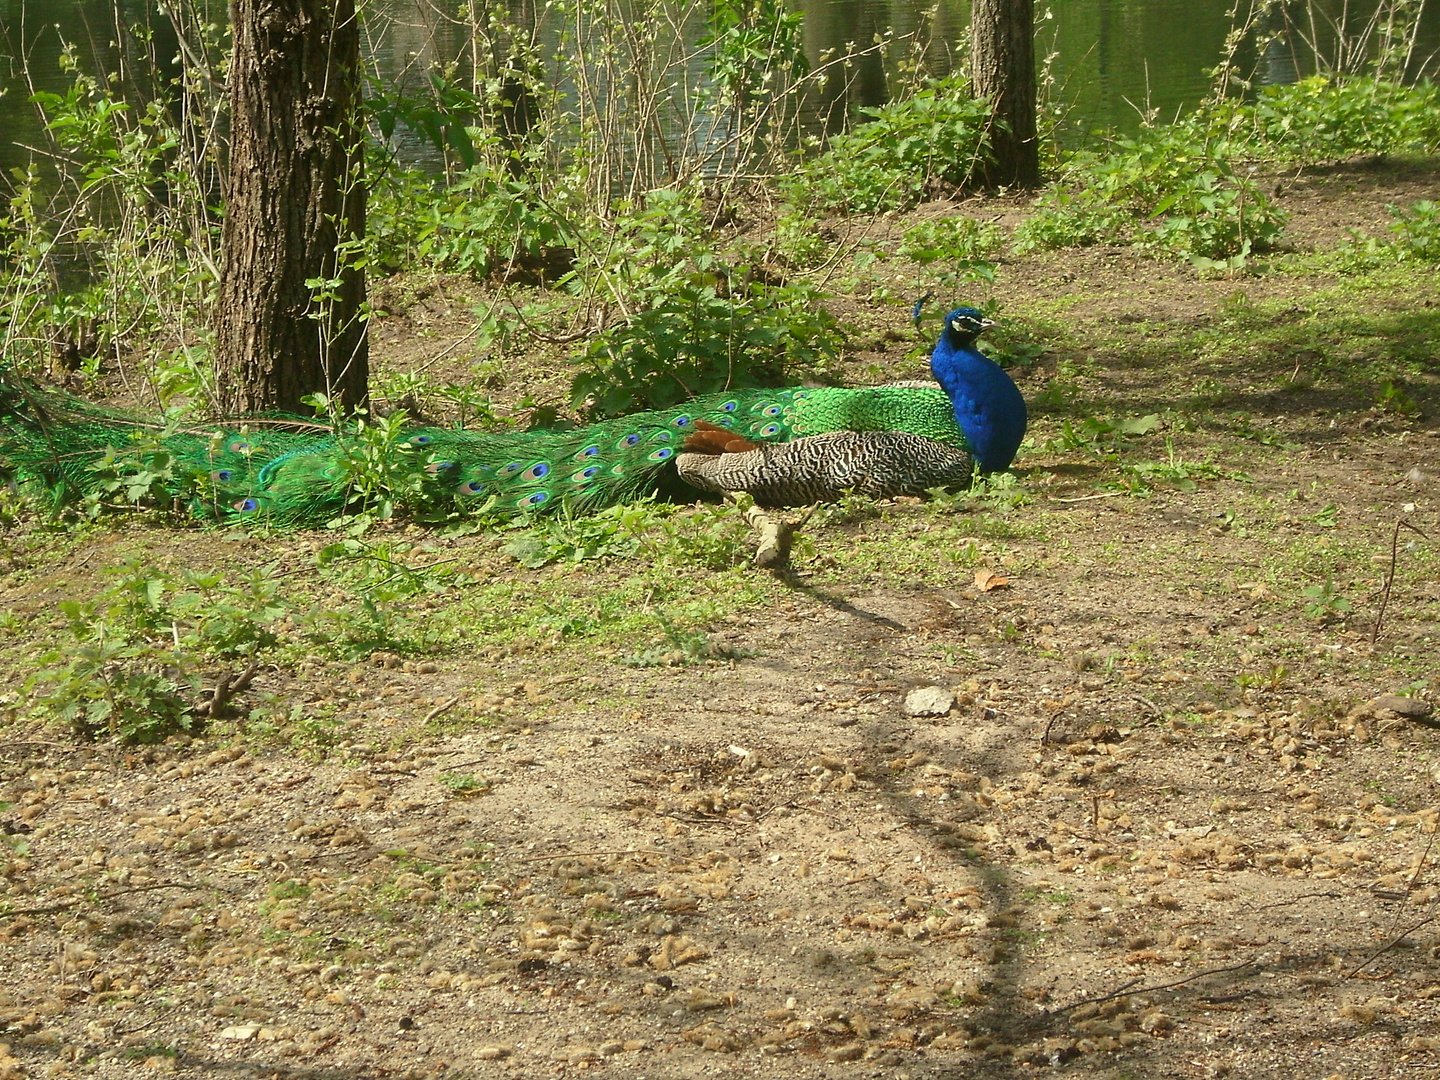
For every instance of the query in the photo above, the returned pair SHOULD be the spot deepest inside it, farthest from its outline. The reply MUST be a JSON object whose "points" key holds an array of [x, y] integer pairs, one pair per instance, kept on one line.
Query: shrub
{"points": [[695, 322], [483, 222], [1325, 119], [1417, 230], [956, 239], [934, 139], [1169, 188]]}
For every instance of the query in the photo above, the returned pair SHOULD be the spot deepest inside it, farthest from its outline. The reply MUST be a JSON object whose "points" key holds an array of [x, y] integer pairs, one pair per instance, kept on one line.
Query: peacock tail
{"points": [[286, 471]]}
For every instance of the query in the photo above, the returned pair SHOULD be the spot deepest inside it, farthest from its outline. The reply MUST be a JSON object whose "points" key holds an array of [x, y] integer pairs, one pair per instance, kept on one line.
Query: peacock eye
{"points": [[245, 506], [435, 468], [661, 454], [770, 429], [421, 440], [730, 406], [632, 440], [535, 499], [239, 446], [221, 475], [681, 421], [537, 471], [470, 487], [590, 451], [772, 410], [512, 467]]}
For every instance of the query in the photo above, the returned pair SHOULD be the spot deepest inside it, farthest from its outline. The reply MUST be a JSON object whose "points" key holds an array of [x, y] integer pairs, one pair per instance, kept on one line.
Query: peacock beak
{"points": [[985, 324]]}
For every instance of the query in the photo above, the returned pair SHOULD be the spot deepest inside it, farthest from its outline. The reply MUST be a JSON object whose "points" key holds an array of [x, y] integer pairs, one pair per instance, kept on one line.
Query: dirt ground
{"points": [[1162, 823]]}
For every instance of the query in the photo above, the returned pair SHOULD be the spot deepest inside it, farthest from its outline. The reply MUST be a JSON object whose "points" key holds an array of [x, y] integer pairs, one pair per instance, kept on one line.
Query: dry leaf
{"points": [[987, 579]]}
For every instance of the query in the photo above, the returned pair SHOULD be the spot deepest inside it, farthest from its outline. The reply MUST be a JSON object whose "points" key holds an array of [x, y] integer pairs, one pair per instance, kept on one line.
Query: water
{"points": [[1113, 61]]}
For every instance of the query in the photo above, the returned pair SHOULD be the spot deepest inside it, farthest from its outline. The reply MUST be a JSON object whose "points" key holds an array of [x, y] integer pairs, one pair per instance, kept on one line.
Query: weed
{"points": [[1182, 189], [683, 647], [1324, 602], [1417, 230], [463, 785], [957, 239], [1325, 118], [934, 138]]}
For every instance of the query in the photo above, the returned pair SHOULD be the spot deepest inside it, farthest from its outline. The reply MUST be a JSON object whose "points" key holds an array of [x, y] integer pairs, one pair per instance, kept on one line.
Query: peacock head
{"points": [[964, 325]]}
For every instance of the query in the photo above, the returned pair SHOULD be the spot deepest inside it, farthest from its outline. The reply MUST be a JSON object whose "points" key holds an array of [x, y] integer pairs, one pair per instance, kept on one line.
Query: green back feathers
{"points": [[283, 476]]}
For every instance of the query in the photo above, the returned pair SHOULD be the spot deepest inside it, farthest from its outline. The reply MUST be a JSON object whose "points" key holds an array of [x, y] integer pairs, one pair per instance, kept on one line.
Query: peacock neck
{"points": [[988, 405]]}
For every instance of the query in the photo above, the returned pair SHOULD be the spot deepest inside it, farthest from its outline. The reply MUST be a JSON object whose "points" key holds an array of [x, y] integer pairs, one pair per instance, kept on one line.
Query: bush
{"points": [[1169, 188], [953, 239], [1417, 231], [695, 321], [690, 339], [934, 139], [483, 222], [1326, 119]]}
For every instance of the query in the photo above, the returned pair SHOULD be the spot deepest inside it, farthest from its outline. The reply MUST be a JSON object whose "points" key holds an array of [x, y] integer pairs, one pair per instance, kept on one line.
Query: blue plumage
{"points": [[988, 405]]}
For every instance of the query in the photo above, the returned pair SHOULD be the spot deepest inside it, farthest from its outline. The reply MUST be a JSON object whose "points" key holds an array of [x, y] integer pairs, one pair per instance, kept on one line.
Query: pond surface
{"points": [[1111, 61]]}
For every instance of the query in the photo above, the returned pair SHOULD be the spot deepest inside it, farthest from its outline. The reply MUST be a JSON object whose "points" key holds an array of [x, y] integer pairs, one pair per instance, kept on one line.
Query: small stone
{"points": [[240, 1032], [1408, 707], [493, 1053], [848, 1052], [929, 701]]}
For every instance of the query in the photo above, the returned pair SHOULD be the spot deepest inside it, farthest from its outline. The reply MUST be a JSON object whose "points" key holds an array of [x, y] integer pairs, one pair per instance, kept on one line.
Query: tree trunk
{"points": [[294, 210], [1002, 68]]}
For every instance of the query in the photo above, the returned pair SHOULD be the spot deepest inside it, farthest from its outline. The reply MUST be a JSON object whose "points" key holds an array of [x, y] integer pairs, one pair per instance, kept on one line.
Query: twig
{"points": [[1087, 498], [228, 686], [1045, 739], [433, 713], [1303, 896], [1152, 989], [1388, 946], [585, 855], [65, 905], [1390, 575]]}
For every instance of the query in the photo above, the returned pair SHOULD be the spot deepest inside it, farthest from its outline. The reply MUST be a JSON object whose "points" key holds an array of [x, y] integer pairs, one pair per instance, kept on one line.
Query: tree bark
{"points": [[1002, 68], [294, 210]]}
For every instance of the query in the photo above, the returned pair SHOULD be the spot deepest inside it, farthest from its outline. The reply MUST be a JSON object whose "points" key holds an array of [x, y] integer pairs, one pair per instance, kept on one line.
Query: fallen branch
{"points": [[65, 905], [1355, 971], [1390, 575], [1127, 988], [776, 533]]}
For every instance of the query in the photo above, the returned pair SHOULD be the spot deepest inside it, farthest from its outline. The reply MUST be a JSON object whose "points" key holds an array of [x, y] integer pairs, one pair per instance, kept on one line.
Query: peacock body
{"points": [[285, 471], [273, 472]]}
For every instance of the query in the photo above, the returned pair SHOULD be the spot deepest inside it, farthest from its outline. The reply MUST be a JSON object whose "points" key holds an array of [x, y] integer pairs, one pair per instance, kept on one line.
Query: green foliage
{"points": [[479, 223], [464, 785], [713, 537], [137, 237], [910, 148], [1168, 188], [611, 532], [753, 48], [1417, 231], [372, 589], [959, 239], [1324, 602], [1064, 220], [132, 666], [695, 322], [1103, 436], [1328, 118], [112, 686]]}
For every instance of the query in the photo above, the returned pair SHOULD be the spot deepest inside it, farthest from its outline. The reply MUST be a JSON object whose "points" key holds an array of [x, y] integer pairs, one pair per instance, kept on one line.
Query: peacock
{"points": [[788, 446]]}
